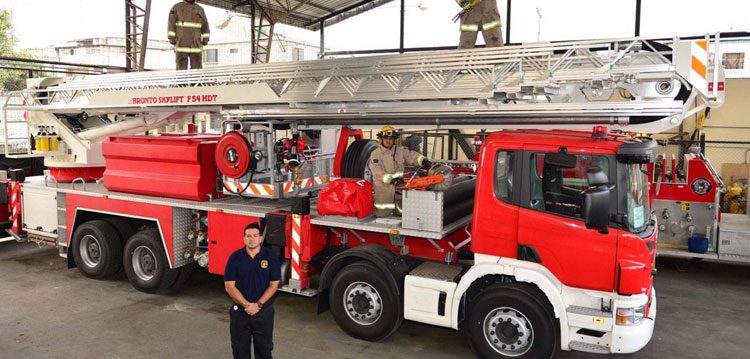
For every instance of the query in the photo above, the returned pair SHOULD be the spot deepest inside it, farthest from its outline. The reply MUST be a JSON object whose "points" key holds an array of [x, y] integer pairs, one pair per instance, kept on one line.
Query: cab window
{"points": [[560, 190]]}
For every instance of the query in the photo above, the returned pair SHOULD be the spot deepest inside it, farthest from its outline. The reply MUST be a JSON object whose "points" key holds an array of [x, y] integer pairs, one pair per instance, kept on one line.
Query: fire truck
{"points": [[546, 243]]}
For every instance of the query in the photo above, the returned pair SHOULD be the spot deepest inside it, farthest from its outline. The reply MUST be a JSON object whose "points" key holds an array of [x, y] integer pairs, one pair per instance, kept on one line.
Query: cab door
{"points": [[550, 220]]}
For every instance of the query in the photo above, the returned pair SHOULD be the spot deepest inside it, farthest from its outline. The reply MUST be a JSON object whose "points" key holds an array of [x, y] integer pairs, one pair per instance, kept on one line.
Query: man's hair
{"points": [[254, 225]]}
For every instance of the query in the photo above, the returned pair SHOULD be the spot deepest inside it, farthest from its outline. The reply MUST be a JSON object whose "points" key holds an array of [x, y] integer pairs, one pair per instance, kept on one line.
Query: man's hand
{"points": [[252, 308], [173, 41], [205, 42], [398, 182], [426, 163]]}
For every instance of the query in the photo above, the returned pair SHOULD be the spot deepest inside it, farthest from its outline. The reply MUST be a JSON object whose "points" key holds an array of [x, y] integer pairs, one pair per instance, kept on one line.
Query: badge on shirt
{"points": [[264, 264]]}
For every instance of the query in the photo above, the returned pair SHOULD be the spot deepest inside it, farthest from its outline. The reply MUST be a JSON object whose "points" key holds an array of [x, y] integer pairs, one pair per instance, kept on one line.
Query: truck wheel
{"points": [[97, 249], [146, 263], [363, 304], [511, 321]]}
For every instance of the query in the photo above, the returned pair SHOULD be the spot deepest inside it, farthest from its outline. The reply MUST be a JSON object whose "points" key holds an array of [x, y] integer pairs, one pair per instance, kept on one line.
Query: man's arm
{"points": [[235, 294], [273, 286], [205, 29], [171, 29], [412, 158]]}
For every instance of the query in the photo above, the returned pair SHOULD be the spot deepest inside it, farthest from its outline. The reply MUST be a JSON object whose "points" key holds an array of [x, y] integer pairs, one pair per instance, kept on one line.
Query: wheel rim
{"points": [[508, 331], [90, 250], [144, 263], [363, 303]]}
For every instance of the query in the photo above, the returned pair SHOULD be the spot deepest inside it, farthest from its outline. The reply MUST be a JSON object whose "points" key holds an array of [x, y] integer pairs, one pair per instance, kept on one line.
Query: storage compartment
{"points": [[166, 166], [431, 211], [39, 207]]}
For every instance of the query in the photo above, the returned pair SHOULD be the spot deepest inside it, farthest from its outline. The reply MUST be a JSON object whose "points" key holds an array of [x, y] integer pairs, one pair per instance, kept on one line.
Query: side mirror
{"points": [[596, 208]]}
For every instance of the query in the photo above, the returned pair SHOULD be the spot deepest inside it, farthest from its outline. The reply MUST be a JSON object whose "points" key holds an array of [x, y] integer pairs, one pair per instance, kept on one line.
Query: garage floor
{"points": [[47, 310]]}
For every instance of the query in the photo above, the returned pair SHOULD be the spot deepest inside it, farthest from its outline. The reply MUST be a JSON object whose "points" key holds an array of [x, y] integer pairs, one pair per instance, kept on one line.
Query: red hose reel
{"points": [[233, 155]]}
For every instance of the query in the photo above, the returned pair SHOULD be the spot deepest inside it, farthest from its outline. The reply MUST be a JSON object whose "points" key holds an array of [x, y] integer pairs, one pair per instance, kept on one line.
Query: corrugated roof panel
{"points": [[301, 13]]}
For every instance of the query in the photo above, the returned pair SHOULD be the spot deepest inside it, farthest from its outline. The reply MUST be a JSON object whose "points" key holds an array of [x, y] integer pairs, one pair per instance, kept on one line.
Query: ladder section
{"points": [[262, 35], [580, 79], [14, 128], [136, 34]]}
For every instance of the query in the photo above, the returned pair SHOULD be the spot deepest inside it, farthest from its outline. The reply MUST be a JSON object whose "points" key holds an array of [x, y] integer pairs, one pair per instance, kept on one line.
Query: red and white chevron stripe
{"points": [[296, 248], [15, 203], [252, 188]]}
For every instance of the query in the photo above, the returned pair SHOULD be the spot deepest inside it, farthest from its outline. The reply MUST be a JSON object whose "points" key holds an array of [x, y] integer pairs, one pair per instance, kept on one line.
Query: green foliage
{"points": [[10, 80]]}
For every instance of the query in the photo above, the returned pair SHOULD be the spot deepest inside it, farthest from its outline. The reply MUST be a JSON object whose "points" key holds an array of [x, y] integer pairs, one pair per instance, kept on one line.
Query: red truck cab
{"points": [[577, 204]]}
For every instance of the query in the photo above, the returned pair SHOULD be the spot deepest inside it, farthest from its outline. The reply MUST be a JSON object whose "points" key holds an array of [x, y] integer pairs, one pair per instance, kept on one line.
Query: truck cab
{"points": [[569, 213]]}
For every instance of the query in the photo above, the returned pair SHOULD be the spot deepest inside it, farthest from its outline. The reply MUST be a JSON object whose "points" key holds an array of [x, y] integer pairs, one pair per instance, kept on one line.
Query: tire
{"points": [[97, 249], [524, 316], [365, 284], [356, 158], [146, 263], [122, 226]]}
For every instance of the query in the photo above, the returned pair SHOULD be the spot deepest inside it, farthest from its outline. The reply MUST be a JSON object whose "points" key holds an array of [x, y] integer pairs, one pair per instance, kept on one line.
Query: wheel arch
{"points": [[393, 266], [83, 215], [485, 274]]}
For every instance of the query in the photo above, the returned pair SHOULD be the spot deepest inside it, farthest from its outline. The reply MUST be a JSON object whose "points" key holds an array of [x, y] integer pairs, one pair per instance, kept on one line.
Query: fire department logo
{"points": [[264, 264], [701, 186]]}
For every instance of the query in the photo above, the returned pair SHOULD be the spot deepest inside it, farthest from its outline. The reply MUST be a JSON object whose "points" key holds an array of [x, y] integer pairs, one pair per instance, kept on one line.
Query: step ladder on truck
{"points": [[549, 244]]}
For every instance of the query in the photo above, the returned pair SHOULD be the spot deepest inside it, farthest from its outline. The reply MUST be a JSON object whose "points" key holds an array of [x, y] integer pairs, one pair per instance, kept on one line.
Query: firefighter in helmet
{"points": [[387, 167], [188, 31]]}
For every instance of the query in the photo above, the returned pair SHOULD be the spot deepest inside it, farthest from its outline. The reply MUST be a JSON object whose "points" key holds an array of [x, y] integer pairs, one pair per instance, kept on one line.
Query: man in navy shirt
{"points": [[251, 278]]}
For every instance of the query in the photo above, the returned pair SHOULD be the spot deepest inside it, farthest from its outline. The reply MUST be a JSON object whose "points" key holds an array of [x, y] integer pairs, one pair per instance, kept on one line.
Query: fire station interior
{"points": [[554, 191]]}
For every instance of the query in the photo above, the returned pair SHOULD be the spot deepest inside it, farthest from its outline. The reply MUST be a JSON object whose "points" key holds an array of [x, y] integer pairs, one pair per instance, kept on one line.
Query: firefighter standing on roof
{"points": [[188, 32], [479, 15], [387, 167]]}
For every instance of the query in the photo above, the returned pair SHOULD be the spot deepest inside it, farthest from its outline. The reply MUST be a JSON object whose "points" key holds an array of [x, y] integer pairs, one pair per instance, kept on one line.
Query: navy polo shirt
{"points": [[252, 275]]}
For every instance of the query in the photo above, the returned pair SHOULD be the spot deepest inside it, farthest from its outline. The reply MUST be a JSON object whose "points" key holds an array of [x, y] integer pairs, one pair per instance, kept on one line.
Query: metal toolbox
{"points": [[422, 210]]}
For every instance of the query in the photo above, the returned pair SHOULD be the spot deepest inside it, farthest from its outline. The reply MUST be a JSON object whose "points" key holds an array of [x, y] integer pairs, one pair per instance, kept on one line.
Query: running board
{"points": [[588, 348]]}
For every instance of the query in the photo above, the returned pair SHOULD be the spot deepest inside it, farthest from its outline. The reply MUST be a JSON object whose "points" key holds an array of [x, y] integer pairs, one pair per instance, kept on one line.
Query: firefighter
{"points": [[188, 31], [479, 15], [387, 167]]}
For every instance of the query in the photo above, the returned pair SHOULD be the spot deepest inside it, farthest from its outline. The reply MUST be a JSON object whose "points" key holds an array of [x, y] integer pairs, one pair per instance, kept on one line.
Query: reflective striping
{"points": [[205, 36], [252, 188], [193, 25], [189, 50], [296, 248], [469, 27], [171, 34], [699, 67], [385, 205], [491, 25]]}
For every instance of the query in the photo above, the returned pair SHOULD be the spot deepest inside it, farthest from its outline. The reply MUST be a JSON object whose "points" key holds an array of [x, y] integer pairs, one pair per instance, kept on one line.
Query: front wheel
{"points": [[512, 321], [363, 304]]}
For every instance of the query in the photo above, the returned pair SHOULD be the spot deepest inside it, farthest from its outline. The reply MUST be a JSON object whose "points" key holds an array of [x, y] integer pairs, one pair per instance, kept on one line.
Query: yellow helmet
{"points": [[387, 131]]}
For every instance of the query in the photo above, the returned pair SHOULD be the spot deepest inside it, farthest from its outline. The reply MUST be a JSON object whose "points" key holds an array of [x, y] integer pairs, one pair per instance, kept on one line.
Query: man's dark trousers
{"points": [[257, 329]]}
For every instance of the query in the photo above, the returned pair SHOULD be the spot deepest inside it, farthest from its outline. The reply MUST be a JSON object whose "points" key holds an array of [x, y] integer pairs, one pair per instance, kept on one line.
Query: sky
{"points": [[39, 23]]}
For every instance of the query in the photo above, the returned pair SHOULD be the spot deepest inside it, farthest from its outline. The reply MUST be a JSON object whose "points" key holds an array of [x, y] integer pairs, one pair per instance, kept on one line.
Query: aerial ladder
{"points": [[634, 84]]}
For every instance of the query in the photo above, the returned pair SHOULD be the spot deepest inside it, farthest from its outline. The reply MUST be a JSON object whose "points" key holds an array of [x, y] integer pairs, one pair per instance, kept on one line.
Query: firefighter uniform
{"points": [[483, 17], [386, 165], [188, 31]]}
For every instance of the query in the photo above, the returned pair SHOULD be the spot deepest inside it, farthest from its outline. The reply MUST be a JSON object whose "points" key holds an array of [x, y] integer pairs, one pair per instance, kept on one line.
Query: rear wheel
{"points": [[511, 321], [97, 249], [146, 263], [363, 304]]}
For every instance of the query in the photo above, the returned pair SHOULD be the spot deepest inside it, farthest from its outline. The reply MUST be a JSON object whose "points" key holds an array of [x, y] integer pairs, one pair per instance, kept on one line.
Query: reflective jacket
{"points": [[188, 27], [385, 165]]}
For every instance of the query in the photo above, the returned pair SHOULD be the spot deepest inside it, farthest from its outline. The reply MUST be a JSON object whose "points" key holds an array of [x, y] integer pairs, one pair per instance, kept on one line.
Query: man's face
{"points": [[388, 142], [252, 238]]}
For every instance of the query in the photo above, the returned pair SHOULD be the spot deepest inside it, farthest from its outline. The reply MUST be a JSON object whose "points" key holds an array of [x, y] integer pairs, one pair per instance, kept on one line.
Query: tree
{"points": [[10, 80]]}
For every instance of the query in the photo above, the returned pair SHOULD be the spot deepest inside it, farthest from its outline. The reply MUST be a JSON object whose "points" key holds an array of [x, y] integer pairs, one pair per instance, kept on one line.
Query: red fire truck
{"points": [[548, 244]]}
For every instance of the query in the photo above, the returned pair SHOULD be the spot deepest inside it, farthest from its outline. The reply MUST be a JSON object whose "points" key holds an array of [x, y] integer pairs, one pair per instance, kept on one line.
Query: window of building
{"points": [[234, 51], [733, 60], [211, 56], [560, 190], [298, 54], [71, 51], [504, 161], [92, 50]]}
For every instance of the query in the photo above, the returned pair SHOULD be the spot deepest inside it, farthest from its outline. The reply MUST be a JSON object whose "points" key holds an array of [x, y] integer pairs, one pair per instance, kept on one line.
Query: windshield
{"points": [[637, 198]]}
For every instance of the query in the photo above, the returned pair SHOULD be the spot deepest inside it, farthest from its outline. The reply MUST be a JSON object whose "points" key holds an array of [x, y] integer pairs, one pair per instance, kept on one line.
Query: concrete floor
{"points": [[49, 311]]}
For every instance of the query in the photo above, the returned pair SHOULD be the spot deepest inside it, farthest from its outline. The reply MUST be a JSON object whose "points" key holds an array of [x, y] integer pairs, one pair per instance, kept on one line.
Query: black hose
{"points": [[459, 192]]}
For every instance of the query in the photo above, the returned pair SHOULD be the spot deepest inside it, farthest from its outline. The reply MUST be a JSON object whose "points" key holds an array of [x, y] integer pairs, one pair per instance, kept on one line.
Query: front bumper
{"points": [[630, 339]]}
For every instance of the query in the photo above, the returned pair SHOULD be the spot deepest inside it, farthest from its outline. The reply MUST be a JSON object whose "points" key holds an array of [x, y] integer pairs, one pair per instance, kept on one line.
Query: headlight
{"points": [[631, 316]]}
